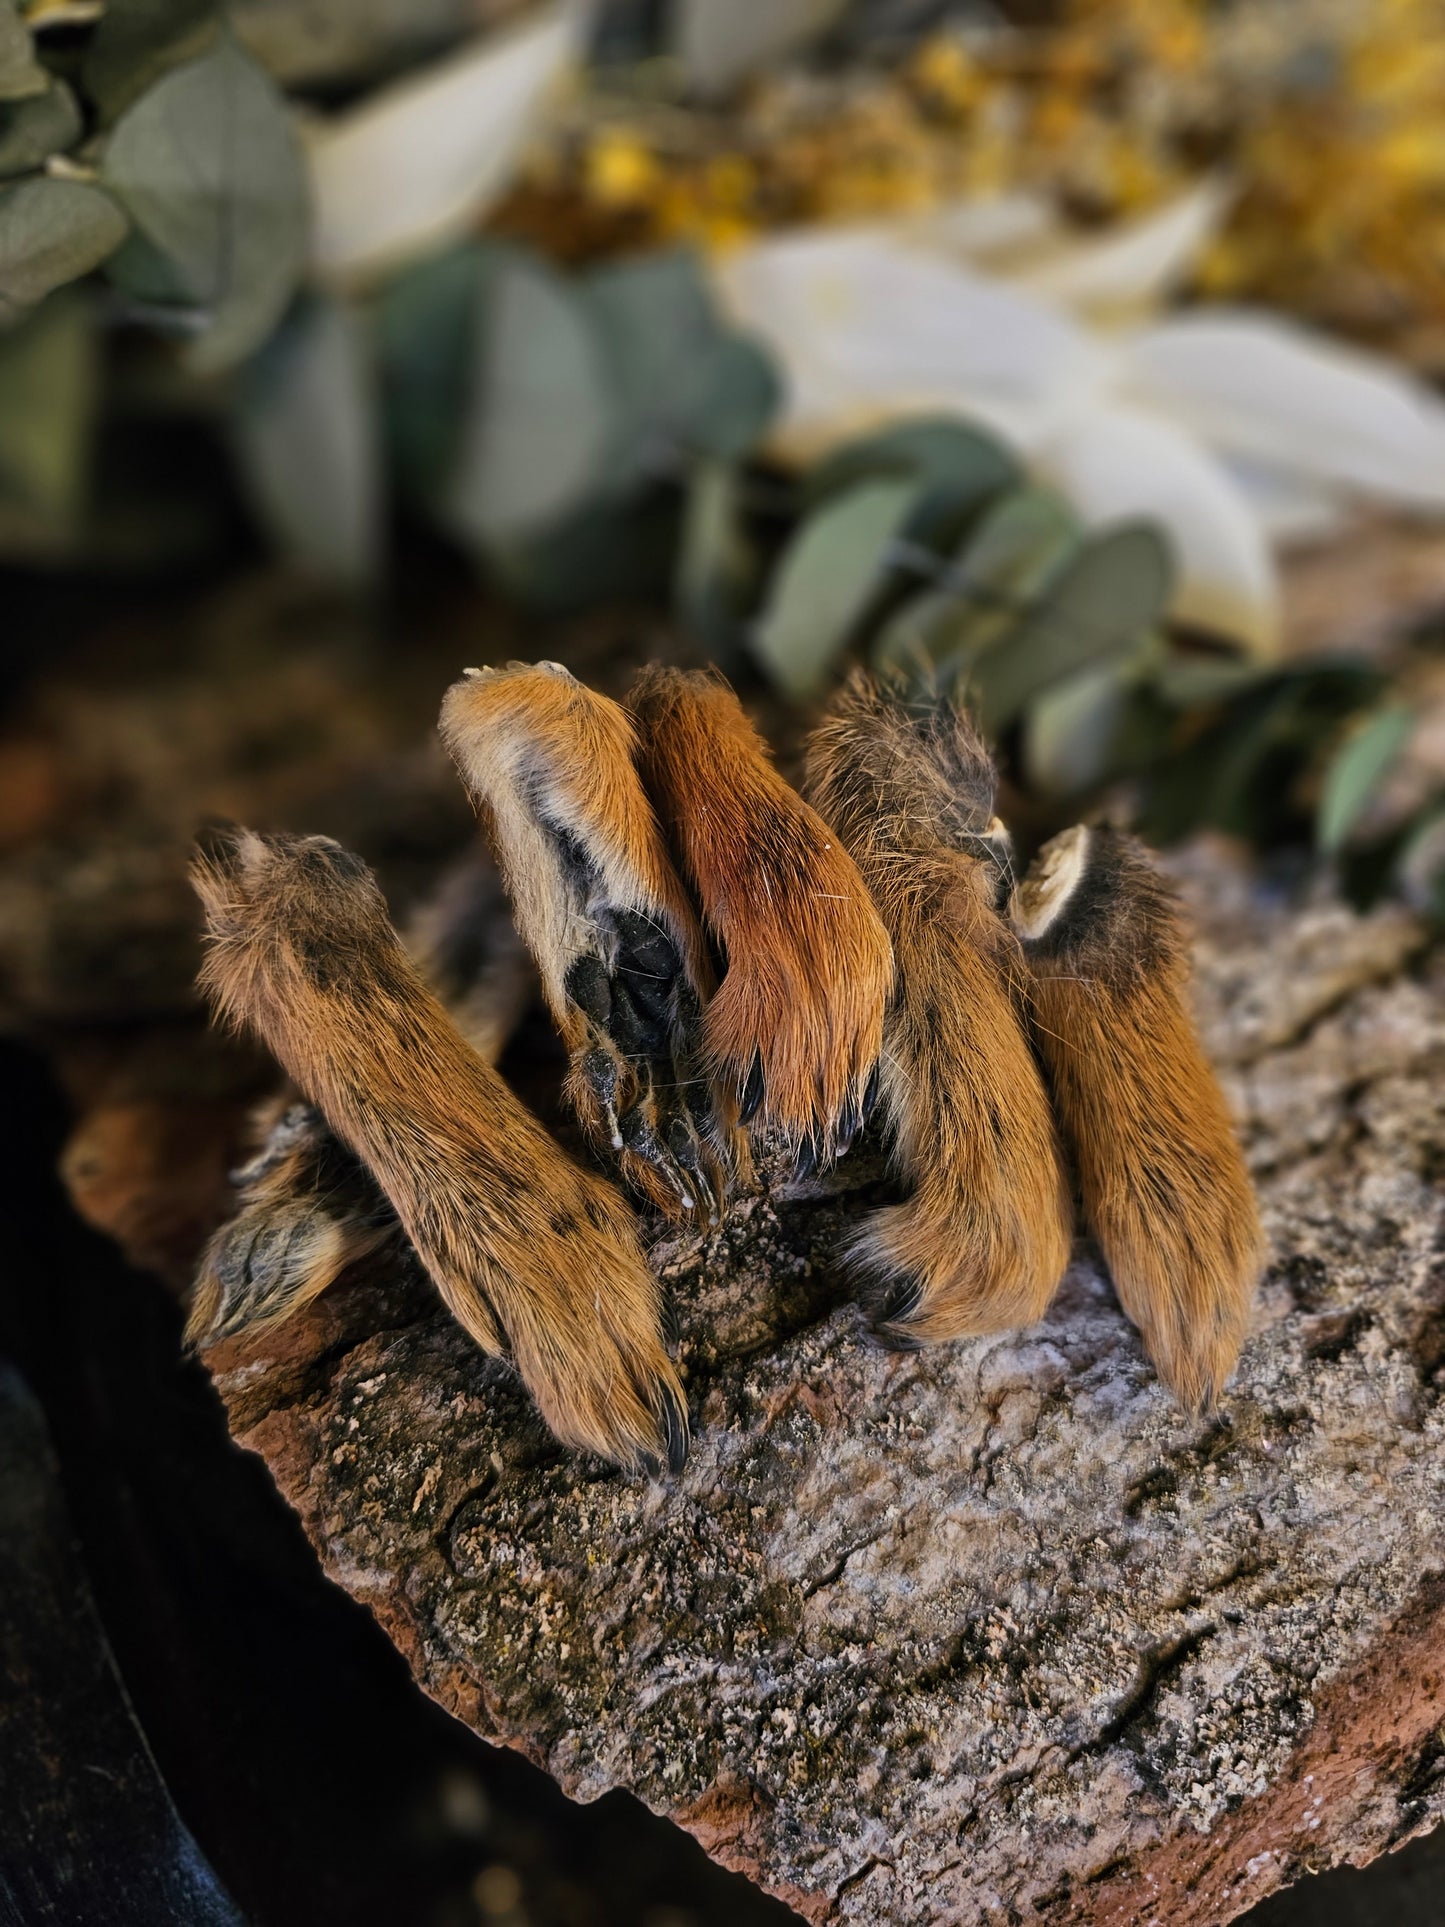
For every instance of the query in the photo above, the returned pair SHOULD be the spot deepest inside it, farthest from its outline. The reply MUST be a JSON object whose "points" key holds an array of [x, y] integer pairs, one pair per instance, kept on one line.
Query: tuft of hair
{"points": [[796, 1026], [533, 1256], [1163, 1181], [551, 766], [307, 1209], [984, 1236]]}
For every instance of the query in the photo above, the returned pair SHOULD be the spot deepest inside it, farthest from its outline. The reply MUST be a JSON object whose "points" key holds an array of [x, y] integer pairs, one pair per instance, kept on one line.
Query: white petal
{"points": [[1114, 463], [989, 226], [1266, 389], [867, 325], [417, 163], [1290, 509], [1132, 266]]}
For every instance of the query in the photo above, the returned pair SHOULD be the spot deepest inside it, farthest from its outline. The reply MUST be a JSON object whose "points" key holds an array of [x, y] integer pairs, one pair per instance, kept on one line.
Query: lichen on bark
{"points": [[989, 1632]]}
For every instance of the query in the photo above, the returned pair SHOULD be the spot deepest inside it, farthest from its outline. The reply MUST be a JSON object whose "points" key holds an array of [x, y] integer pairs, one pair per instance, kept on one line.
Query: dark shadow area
{"points": [[319, 1781]]}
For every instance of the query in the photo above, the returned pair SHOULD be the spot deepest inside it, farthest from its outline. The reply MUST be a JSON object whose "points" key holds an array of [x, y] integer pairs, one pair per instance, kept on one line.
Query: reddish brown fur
{"points": [[809, 965], [984, 1237], [551, 766], [529, 1252], [1164, 1184]]}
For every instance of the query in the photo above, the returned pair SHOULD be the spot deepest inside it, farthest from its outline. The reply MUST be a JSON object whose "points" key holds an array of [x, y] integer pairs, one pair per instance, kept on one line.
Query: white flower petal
{"points": [[1264, 388], [1133, 266], [867, 326], [1114, 463], [417, 163]]}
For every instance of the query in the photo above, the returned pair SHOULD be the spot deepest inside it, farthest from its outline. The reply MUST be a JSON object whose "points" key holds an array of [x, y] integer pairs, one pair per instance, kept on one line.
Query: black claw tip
{"points": [[807, 1162], [870, 1096], [675, 1431], [750, 1103], [850, 1123], [890, 1307]]}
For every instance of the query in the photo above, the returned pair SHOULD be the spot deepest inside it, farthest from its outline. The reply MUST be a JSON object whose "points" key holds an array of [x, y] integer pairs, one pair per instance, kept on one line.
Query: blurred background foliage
{"points": [[942, 335]]}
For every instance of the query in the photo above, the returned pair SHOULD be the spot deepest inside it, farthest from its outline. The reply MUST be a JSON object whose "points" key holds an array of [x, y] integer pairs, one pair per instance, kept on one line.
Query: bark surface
{"points": [[991, 1632]]}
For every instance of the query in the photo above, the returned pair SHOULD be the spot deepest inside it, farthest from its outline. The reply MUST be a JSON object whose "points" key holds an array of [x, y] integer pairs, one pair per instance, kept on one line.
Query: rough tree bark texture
{"points": [[988, 1633]]}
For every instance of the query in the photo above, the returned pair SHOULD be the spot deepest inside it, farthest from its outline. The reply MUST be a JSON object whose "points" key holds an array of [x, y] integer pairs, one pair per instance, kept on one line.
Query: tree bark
{"points": [[990, 1632]]}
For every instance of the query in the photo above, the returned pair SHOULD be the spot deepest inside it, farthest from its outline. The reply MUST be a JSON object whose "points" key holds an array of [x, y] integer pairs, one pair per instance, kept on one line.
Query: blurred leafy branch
{"points": [[599, 432]]}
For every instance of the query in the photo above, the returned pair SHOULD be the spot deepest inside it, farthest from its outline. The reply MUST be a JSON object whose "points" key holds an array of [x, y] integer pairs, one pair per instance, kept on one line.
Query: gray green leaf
{"points": [[426, 326], [1070, 731], [828, 575], [52, 232], [305, 429], [136, 41], [1356, 772], [966, 464], [49, 365], [1101, 605], [32, 130], [208, 167], [716, 565], [539, 417], [684, 383], [21, 74]]}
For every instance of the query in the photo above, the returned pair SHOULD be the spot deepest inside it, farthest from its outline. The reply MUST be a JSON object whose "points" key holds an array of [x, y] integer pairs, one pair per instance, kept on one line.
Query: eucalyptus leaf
{"points": [[32, 130], [1071, 731], [52, 232], [21, 74], [136, 41], [1102, 605], [540, 414], [604, 552], [966, 464], [684, 383], [717, 567], [426, 322], [1020, 545], [207, 165], [826, 579], [49, 368], [306, 431], [1190, 681], [1356, 771]]}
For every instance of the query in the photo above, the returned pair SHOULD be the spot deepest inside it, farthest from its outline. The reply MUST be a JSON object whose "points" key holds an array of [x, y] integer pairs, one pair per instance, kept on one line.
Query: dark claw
{"points": [[891, 1308], [849, 1125], [639, 1137], [675, 1431], [750, 1103], [871, 1095], [671, 1325], [807, 1162]]}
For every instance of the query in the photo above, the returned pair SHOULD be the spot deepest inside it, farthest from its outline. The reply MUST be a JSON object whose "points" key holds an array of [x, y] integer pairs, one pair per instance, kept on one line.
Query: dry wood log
{"points": [[991, 1632]]}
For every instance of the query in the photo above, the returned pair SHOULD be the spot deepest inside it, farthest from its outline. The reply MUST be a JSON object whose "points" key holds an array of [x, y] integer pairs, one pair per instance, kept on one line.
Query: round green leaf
{"points": [[1356, 772], [32, 130], [1070, 731], [305, 430], [52, 232], [426, 331], [826, 579], [967, 464], [539, 418], [1101, 605], [136, 41], [208, 167], [684, 384]]}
